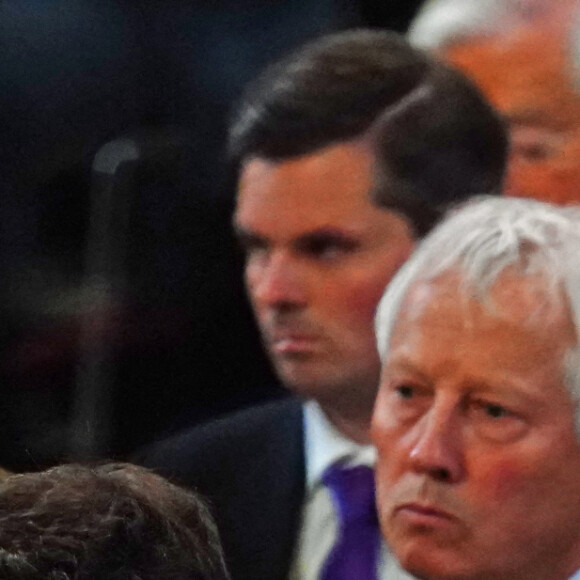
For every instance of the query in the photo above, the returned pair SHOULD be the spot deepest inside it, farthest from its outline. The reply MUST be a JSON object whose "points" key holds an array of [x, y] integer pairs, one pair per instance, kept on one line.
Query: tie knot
{"points": [[353, 490]]}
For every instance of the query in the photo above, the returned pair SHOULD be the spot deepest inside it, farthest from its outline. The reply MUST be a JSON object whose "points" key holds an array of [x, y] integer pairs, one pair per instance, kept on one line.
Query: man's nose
{"points": [[437, 449], [277, 282]]}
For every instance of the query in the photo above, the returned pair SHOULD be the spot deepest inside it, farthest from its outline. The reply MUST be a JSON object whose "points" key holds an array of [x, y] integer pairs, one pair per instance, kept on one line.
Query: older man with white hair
{"points": [[477, 422]]}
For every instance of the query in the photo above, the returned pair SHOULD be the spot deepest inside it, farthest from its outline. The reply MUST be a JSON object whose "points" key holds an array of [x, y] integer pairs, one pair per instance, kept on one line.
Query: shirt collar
{"points": [[324, 445]]}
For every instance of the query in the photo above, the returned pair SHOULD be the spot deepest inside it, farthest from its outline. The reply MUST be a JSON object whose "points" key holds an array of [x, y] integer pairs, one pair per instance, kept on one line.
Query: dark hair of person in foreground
{"points": [[110, 522]]}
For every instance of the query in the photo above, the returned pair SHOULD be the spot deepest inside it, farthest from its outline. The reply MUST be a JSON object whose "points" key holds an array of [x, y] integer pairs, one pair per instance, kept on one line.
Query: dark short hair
{"points": [[436, 139], [110, 522]]}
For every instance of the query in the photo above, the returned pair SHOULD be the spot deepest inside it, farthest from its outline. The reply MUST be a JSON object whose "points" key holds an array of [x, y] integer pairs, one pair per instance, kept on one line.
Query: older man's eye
{"points": [[495, 411], [488, 410], [496, 422]]}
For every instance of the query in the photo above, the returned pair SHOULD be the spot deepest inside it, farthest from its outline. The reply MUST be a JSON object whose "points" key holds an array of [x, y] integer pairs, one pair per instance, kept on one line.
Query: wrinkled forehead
{"points": [[524, 300]]}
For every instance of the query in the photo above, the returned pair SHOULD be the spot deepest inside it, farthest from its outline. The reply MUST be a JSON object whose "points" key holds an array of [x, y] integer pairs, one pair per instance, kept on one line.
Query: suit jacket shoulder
{"points": [[250, 466]]}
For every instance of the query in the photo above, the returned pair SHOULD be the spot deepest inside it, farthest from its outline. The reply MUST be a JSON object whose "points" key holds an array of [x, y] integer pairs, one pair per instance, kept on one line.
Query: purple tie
{"points": [[354, 556]]}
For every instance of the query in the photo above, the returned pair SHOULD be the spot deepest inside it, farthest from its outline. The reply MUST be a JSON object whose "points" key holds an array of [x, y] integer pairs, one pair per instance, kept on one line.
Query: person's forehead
{"points": [[522, 332], [324, 185], [526, 301], [330, 162]]}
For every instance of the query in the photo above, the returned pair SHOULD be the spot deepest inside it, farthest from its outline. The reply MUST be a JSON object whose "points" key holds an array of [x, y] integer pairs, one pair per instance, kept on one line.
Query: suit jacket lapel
{"points": [[268, 499]]}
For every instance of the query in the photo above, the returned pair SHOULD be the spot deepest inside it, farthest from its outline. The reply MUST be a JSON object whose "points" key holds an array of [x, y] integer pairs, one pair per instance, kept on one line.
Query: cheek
{"points": [[388, 467], [353, 296], [384, 491], [554, 180], [389, 439], [511, 482], [386, 427], [548, 182], [503, 480], [364, 302], [364, 293], [354, 303], [381, 425]]}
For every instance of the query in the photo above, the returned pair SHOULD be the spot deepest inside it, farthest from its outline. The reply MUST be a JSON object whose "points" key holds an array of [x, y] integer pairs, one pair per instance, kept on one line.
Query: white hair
{"points": [[440, 23], [443, 22], [482, 238]]}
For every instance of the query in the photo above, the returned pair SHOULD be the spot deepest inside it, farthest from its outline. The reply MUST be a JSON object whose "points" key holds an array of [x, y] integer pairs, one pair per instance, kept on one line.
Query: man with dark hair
{"points": [[115, 521], [348, 116]]}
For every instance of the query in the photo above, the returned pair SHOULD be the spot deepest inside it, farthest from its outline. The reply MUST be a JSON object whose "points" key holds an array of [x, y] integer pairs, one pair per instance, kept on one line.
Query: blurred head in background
{"points": [[523, 54]]}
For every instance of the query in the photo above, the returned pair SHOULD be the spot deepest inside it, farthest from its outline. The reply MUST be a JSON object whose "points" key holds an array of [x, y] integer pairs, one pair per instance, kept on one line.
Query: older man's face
{"points": [[479, 463]]}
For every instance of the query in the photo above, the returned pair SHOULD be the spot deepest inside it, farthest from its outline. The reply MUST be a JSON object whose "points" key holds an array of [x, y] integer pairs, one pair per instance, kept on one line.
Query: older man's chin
{"points": [[411, 559], [409, 568]]}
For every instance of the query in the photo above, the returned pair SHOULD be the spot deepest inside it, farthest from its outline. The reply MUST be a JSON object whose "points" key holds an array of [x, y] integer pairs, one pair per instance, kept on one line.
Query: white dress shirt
{"points": [[324, 445]]}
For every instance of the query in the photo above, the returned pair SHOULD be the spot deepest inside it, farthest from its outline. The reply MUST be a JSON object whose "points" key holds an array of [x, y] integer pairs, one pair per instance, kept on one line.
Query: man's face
{"points": [[526, 75], [319, 255], [479, 463]]}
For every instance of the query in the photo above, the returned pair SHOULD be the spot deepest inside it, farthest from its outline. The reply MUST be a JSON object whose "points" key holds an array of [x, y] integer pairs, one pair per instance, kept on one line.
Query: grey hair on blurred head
{"points": [[481, 239], [440, 23]]}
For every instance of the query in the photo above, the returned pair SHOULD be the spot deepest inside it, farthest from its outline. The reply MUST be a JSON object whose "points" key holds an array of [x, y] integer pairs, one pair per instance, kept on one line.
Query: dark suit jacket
{"points": [[250, 466]]}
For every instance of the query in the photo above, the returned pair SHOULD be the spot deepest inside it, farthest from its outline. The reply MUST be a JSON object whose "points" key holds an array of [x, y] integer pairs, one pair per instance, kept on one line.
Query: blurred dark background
{"points": [[123, 312]]}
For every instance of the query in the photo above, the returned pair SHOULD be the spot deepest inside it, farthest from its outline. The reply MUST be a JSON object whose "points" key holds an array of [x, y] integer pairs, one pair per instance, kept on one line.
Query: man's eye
{"points": [[497, 423], [327, 247], [492, 410], [495, 411], [534, 144], [405, 391], [532, 152], [324, 249]]}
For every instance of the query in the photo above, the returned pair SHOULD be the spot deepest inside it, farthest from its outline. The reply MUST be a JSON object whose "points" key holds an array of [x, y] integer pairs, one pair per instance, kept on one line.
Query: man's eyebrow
{"points": [[532, 118], [327, 235], [406, 365], [330, 232], [511, 388]]}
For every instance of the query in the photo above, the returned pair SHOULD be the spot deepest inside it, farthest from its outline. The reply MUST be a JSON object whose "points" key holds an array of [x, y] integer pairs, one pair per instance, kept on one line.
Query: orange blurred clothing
{"points": [[526, 74]]}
